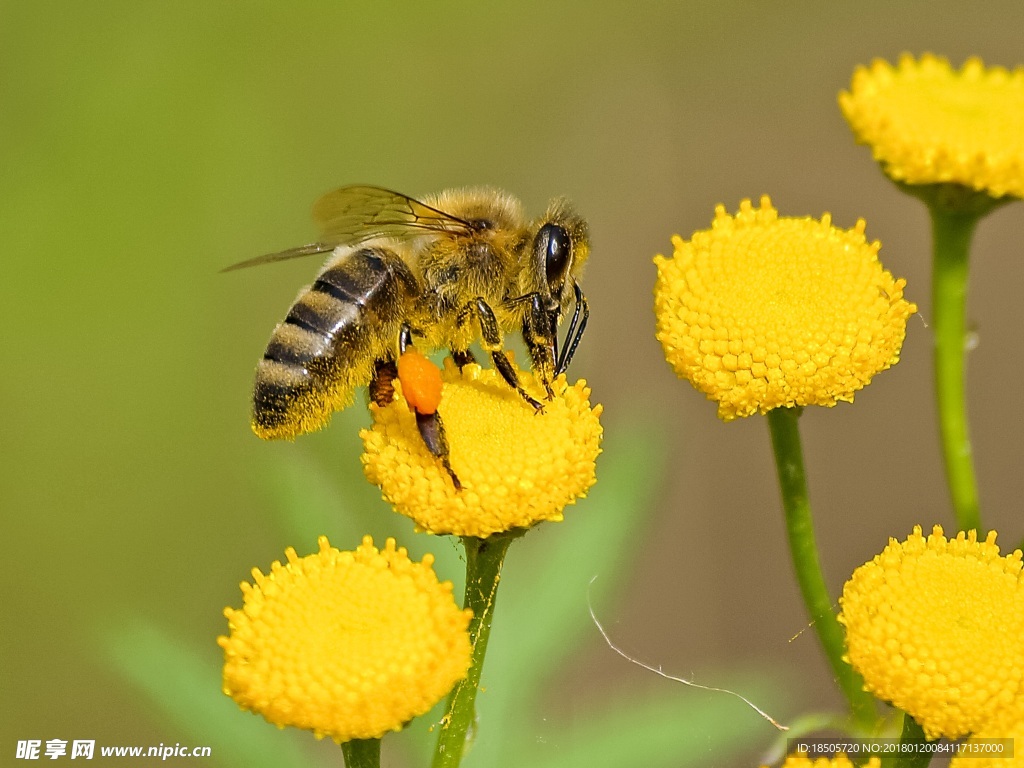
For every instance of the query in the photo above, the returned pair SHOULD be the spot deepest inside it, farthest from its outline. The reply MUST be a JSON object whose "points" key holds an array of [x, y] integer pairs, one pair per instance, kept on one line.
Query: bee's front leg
{"points": [[577, 326], [540, 333]]}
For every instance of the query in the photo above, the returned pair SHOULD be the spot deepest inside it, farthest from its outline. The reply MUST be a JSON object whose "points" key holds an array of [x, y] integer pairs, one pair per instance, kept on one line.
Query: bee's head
{"points": [[560, 248]]}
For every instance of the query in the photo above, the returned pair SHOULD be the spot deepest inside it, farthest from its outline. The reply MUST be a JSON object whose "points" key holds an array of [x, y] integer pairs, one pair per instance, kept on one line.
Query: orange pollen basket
{"points": [[421, 381]]}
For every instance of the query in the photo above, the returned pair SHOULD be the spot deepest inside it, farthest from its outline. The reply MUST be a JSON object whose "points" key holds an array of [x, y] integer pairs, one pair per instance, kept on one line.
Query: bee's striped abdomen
{"points": [[328, 342]]}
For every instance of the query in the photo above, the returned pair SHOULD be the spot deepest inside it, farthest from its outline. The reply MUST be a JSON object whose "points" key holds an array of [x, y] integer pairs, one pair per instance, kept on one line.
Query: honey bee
{"points": [[460, 266]]}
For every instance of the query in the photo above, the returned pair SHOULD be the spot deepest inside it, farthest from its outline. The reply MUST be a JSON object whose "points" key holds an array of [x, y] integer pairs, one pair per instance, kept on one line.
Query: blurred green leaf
{"points": [[677, 728], [186, 690], [310, 504], [597, 539], [314, 498], [806, 724]]}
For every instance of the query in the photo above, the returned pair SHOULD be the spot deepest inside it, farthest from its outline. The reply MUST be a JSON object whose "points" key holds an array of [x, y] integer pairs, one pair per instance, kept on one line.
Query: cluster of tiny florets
{"points": [[517, 467], [935, 627], [763, 311], [349, 645], [840, 760], [927, 123]]}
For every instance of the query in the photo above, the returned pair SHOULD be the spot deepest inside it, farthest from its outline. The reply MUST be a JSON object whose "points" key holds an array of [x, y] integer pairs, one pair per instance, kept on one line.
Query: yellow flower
{"points": [[517, 466], [839, 761], [1007, 724], [935, 626], [928, 124], [762, 311], [349, 645]]}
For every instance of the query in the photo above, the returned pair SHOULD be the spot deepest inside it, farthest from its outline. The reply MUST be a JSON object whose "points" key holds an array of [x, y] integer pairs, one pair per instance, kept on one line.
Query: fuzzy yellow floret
{"points": [[936, 627], [349, 645], [763, 311], [986, 748], [927, 123], [839, 761], [517, 466]]}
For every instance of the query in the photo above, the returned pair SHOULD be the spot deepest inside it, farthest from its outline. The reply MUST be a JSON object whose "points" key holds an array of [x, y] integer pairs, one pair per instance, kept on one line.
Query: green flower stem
{"points": [[913, 758], [361, 753], [951, 240], [955, 211], [484, 558], [789, 463]]}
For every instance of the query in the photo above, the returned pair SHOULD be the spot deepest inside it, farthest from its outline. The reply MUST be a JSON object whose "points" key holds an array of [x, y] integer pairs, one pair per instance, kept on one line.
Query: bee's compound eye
{"points": [[556, 245]]}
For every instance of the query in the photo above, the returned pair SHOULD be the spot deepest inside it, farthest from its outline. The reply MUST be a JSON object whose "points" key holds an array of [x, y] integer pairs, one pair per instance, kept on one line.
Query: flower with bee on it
{"points": [[517, 467]]}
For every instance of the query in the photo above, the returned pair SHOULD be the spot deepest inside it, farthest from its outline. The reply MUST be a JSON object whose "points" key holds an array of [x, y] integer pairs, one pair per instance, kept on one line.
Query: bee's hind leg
{"points": [[430, 426], [428, 420], [382, 387], [432, 431], [385, 371]]}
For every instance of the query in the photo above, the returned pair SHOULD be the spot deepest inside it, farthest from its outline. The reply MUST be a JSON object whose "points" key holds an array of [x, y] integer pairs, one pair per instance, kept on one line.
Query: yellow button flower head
{"points": [[517, 467], [839, 761], [1007, 724], [763, 311], [349, 645], [936, 626], [928, 124]]}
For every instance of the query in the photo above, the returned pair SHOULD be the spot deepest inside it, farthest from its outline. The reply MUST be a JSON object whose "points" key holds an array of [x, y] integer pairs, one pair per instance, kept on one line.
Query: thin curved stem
{"points": [[484, 558], [789, 463], [951, 240]]}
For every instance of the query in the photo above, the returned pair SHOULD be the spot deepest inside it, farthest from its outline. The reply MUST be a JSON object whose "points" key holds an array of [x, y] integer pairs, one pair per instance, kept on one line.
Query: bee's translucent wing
{"points": [[354, 214], [351, 215], [291, 253]]}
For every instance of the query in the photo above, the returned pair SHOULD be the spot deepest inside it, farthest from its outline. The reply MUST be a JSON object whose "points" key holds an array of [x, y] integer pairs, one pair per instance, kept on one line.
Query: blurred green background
{"points": [[144, 146]]}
